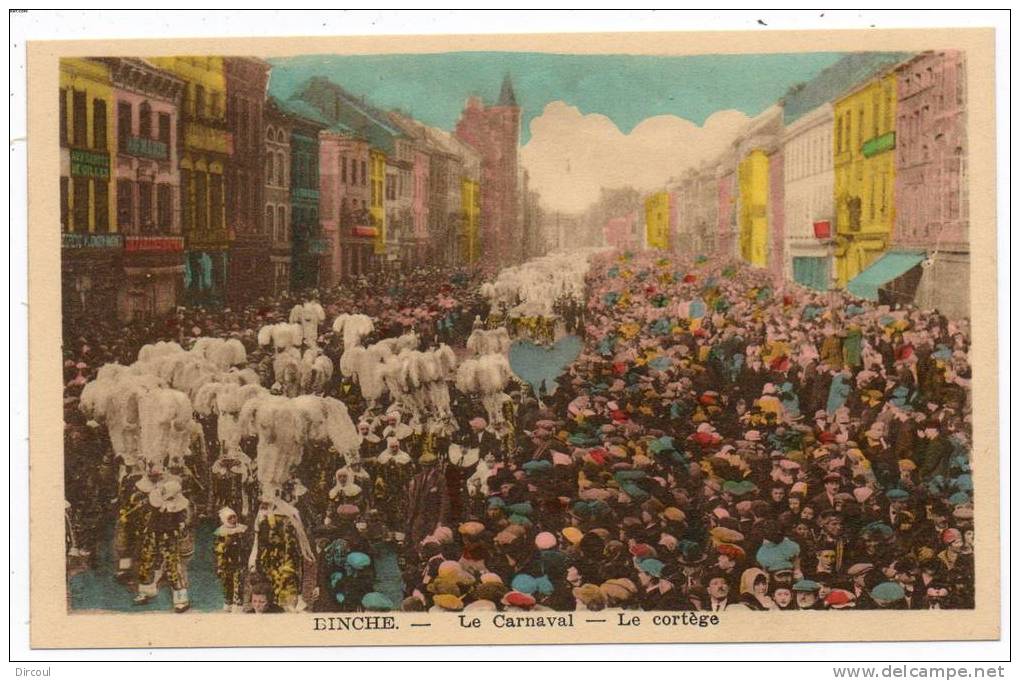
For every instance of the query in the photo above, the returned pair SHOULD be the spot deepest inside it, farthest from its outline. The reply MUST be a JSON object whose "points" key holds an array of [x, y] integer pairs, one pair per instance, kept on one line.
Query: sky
{"points": [[587, 120]]}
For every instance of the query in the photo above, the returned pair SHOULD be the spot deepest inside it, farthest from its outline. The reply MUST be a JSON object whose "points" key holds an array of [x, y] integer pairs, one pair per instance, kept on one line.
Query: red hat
{"points": [[518, 600], [641, 551], [732, 550], [839, 598]]}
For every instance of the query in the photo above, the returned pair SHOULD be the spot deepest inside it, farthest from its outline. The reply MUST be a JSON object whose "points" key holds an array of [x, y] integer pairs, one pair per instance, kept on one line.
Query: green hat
{"points": [[652, 566], [358, 561], [807, 586], [376, 602], [888, 592]]}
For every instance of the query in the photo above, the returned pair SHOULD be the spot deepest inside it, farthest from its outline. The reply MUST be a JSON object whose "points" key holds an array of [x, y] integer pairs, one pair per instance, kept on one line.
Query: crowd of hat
{"points": [[718, 444]]}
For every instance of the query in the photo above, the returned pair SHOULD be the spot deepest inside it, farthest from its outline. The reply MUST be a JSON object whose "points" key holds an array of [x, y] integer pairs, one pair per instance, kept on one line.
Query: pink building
{"points": [[146, 187], [494, 131], [777, 216], [622, 232], [344, 195], [726, 213], [931, 178]]}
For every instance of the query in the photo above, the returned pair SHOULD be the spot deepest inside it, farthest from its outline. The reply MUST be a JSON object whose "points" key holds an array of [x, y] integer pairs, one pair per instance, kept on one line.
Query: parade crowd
{"points": [[719, 443]]}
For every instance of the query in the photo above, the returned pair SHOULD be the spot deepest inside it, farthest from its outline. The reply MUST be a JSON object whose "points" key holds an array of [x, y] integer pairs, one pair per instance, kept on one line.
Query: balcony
{"points": [[144, 147], [207, 138], [87, 241], [318, 246], [153, 244]]}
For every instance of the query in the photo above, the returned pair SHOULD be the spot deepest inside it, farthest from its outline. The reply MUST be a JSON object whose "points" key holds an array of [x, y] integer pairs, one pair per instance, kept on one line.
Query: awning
{"points": [[890, 266]]}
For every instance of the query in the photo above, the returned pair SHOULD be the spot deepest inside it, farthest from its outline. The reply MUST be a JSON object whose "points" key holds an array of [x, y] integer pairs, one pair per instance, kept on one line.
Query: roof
{"points": [[300, 109], [506, 93], [832, 82]]}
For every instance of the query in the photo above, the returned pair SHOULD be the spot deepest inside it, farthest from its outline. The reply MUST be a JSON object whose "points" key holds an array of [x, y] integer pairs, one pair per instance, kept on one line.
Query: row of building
{"points": [[856, 179], [183, 182]]}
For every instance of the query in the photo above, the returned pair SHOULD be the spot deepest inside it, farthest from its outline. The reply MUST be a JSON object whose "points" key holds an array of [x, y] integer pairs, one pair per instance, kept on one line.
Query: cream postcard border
{"points": [[52, 626]]}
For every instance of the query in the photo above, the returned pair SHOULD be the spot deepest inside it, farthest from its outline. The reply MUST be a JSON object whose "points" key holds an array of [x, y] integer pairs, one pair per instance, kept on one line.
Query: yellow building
{"points": [[377, 183], [864, 141], [470, 209], [86, 141], [91, 247], [753, 187], [207, 145], [657, 220]]}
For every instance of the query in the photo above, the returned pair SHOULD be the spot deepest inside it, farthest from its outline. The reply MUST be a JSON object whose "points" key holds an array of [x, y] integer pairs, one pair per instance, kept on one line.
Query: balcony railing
{"points": [[84, 240], [199, 136], [153, 244], [318, 246], [146, 148]]}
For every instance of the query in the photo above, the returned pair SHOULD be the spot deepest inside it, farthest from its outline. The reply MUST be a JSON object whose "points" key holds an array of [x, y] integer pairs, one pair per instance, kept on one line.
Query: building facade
{"points": [[658, 223], [864, 165], [146, 187], [759, 219], [205, 147], [91, 248], [808, 190], [246, 79], [931, 177], [494, 131], [276, 218], [308, 246]]}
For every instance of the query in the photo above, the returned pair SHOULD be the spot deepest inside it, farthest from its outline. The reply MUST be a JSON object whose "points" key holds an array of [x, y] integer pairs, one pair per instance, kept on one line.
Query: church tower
{"points": [[495, 131]]}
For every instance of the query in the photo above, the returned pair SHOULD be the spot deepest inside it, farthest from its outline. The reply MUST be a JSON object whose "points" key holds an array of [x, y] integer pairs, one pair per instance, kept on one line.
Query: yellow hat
{"points": [[572, 535], [448, 602], [674, 514]]}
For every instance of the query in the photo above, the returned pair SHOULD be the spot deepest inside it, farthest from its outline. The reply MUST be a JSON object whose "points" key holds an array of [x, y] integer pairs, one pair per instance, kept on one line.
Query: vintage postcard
{"points": [[622, 338]]}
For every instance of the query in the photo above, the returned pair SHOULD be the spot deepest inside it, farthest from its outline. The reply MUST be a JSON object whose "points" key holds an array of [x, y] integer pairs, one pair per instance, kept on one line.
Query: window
{"points": [[63, 200], [80, 121], [123, 124], [125, 206], [216, 202], [165, 207], [343, 170], [145, 207], [281, 223], [63, 115], [270, 219], [187, 201], [199, 101], [270, 174], [281, 169], [102, 204], [164, 129], [81, 204], [99, 124], [145, 121], [201, 201], [364, 174]]}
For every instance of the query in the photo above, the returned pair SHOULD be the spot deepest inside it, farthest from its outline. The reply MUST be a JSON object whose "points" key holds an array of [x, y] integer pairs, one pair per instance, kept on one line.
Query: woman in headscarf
{"points": [[754, 590]]}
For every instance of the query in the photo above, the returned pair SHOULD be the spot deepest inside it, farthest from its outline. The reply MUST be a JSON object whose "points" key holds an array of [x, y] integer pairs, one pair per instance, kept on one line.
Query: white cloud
{"points": [[570, 156]]}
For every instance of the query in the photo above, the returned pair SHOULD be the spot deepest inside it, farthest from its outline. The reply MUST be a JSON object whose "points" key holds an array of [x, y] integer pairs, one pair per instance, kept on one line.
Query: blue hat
{"points": [[523, 508], [807, 585], [524, 583], [376, 602], [652, 566], [496, 502], [888, 592], [959, 498], [335, 579], [536, 467], [358, 561], [544, 585], [518, 519], [897, 494]]}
